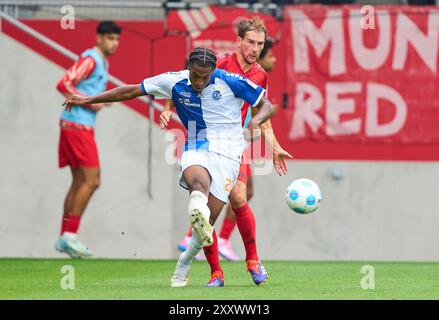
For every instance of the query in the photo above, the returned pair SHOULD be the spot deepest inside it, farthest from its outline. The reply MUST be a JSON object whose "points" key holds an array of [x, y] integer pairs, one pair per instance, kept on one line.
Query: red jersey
{"points": [[256, 74]]}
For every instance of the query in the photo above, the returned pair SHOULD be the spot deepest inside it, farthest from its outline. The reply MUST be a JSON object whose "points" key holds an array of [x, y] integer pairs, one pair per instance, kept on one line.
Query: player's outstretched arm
{"points": [[166, 115], [279, 154], [264, 111], [117, 94]]}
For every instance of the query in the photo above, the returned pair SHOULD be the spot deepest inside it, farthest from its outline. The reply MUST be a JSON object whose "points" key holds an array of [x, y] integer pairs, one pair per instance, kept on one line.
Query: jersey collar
{"points": [[235, 58]]}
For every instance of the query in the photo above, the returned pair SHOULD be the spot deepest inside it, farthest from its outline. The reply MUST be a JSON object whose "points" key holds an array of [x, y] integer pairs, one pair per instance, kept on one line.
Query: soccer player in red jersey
{"points": [[250, 42], [267, 61], [77, 146]]}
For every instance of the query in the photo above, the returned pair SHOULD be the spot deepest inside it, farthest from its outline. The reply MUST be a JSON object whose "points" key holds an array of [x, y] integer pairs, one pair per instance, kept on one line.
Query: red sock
{"points": [[247, 227], [189, 232], [70, 223], [212, 255], [227, 228]]}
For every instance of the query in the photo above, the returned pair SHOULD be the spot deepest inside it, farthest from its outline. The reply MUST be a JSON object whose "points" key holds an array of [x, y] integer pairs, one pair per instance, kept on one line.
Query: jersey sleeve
{"points": [[81, 70], [244, 88], [221, 62], [160, 86], [265, 84]]}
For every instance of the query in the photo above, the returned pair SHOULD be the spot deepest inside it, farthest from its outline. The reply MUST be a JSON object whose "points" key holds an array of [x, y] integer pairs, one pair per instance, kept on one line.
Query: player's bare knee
{"points": [[93, 183], [197, 185], [238, 199]]}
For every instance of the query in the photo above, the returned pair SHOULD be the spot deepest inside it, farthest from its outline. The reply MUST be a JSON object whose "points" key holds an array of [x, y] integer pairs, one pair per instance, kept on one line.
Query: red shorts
{"points": [[245, 170], [77, 147]]}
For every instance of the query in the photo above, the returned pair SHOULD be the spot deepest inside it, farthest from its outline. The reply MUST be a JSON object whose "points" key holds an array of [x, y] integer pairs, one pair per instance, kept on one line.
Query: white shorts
{"points": [[223, 171]]}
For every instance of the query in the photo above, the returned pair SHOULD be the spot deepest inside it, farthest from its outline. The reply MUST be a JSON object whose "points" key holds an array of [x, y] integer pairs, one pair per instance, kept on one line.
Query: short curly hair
{"points": [[203, 57]]}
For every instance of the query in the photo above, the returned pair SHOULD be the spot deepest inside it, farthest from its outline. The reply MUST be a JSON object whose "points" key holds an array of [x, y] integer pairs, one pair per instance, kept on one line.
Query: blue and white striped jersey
{"points": [[212, 117]]}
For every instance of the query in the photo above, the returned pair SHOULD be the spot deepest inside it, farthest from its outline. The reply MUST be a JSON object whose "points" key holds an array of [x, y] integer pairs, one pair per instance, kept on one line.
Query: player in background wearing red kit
{"points": [[250, 42], [77, 146]]}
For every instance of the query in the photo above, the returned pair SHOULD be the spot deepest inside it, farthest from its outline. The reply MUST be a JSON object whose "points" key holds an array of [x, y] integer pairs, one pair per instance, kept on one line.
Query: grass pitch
{"points": [[150, 279]]}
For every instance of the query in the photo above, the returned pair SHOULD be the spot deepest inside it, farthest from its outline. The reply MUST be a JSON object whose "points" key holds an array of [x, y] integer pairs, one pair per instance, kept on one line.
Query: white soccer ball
{"points": [[303, 196]]}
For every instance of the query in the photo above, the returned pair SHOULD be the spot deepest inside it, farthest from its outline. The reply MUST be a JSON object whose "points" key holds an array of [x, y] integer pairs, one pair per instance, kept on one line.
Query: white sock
{"points": [[182, 270], [70, 235], [197, 200], [193, 248]]}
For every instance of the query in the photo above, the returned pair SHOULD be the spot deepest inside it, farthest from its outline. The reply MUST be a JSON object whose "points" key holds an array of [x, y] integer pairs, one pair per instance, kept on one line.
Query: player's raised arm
{"points": [[166, 115], [117, 94], [265, 111], [279, 154]]}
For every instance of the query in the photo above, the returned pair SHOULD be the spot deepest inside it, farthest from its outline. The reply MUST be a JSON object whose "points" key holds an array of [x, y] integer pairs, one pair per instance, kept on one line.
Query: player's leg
{"points": [[211, 252], [244, 218], [184, 242], [225, 173], [182, 245], [224, 246], [77, 179], [69, 221], [198, 181], [90, 183], [229, 222], [180, 276], [246, 223], [222, 173], [78, 149], [249, 184], [69, 242]]}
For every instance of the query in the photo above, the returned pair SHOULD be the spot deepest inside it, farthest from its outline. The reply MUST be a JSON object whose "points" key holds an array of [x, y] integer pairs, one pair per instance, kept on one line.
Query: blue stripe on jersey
{"points": [[188, 105], [241, 86], [248, 117], [142, 86]]}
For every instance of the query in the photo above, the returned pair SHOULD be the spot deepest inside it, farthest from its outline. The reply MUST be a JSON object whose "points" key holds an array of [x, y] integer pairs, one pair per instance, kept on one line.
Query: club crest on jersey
{"points": [[216, 94]]}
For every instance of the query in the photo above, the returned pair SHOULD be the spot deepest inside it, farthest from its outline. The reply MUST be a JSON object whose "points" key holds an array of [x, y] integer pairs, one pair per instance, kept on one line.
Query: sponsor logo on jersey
{"points": [[185, 94], [188, 103]]}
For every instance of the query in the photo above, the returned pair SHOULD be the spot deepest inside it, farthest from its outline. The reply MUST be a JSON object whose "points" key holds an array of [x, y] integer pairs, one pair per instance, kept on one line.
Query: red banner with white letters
{"points": [[349, 84], [363, 74], [213, 27]]}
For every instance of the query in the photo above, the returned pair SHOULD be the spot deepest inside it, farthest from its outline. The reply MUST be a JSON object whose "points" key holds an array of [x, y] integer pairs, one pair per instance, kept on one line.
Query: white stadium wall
{"points": [[376, 211], [120, 221]]}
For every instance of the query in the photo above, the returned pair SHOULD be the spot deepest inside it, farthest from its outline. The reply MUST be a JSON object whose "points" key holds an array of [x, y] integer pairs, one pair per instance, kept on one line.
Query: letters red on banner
{"points": [[363, 83]]}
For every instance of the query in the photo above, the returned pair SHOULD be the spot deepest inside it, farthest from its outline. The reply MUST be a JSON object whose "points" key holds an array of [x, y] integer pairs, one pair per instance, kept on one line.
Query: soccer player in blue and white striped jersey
{"points": [[208, 101]]}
